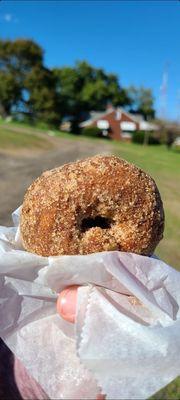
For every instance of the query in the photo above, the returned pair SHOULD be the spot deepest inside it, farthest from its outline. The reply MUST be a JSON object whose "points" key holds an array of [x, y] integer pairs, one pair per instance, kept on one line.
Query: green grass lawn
{"points": [[17, 140], [164, 166], [170, 392]]}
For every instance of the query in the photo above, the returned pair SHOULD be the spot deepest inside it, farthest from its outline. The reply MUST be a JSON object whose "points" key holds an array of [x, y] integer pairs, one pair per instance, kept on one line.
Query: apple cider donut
{"points": [[98, 204]]}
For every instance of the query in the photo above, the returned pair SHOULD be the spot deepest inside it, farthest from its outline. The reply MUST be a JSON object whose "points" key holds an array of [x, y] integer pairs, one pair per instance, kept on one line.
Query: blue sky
{"points": [[134, 39]]}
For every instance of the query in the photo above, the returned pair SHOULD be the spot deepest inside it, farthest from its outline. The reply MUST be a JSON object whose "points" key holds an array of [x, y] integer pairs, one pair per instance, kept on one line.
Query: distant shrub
{"points": [[176, 144], [22, 118], [92, 131], [138, 137], [175, 148], [42, 125]]}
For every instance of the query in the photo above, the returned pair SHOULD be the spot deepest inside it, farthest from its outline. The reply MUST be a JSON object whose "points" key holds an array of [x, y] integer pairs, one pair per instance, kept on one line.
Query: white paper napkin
{"points": [[126, 340]]}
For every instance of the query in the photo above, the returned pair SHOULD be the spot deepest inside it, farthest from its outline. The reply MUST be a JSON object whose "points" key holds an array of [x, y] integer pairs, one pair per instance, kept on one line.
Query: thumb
{"points": [[66, 308], [67, 303]]}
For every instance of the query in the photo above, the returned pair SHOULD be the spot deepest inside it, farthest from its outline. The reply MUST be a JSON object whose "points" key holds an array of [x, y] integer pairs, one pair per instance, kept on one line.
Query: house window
{"points": [[102, 124], [128, 126]]}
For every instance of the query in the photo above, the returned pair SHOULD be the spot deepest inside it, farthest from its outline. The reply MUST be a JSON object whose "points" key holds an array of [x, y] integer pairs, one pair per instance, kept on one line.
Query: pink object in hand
{"points": [[67, 302]]}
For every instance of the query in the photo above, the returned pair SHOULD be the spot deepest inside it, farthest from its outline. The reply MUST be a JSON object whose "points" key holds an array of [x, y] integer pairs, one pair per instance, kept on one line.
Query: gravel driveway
{"points": [[18, 170]]}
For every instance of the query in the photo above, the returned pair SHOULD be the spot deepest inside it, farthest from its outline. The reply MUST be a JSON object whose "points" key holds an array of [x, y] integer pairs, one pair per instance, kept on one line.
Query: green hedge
{"points": [[91, 131], [176, 145], [138, 137]]}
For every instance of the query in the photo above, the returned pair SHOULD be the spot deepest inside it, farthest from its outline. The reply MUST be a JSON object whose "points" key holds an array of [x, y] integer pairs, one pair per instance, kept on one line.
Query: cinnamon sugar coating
{"points": [[98, 204]]}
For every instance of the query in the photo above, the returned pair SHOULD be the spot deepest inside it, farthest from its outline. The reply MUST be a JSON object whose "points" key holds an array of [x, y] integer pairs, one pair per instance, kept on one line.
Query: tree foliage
{"points": [[10, 92], [42, 98], [141, 101], [85, 88], [17, 58], [27, 86]]}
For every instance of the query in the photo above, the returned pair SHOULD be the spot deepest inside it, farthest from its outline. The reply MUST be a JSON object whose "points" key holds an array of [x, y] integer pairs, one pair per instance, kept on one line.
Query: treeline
{"points": [[30, 89]]}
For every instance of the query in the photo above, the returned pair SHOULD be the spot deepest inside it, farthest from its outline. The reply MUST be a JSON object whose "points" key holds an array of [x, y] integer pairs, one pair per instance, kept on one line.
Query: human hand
{"points": [[67, 303], [66, 308]]}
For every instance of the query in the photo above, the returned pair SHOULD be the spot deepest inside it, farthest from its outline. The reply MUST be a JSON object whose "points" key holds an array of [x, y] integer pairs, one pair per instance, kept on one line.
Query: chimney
{"points": [[109, 106]]}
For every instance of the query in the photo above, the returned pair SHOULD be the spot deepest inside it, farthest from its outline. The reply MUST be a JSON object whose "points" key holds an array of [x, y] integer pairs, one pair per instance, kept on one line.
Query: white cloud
{"points": [[8, 17]]}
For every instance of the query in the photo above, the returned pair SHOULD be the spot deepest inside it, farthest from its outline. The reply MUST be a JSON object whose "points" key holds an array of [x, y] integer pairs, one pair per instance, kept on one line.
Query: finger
{"points": [[67, 302], [100, 397], [66, 308]]}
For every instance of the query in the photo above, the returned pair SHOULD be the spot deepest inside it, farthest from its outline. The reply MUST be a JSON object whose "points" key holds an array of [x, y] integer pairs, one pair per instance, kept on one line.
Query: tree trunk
{"points": [[3, 112]]}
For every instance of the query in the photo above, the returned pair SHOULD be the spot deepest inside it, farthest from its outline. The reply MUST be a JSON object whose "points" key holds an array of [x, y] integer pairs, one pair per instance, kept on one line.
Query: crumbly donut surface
{"points": [[98, 204]]}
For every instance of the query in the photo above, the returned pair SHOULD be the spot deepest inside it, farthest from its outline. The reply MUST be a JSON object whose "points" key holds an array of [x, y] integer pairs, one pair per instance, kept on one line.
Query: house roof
{"points": [[95, 115], [148, 126]]}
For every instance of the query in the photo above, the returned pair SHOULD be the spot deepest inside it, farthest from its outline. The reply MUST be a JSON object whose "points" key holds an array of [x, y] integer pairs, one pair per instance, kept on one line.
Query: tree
{"points": [[142, 101], [10, 93], [17, 58], [43, 100], [85, 88]]}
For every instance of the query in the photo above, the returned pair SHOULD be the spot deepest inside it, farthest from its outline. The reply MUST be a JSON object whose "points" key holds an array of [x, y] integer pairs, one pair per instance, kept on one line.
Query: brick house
{"points": [[117, 123]]}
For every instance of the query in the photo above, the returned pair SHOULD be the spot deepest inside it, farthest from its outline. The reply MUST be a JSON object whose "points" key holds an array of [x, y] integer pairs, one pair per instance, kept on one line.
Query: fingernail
{"points": [[66, 303]]}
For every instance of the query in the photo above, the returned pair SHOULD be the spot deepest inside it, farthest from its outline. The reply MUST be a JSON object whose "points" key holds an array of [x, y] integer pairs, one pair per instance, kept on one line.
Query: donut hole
{"points": [[96, 222]]}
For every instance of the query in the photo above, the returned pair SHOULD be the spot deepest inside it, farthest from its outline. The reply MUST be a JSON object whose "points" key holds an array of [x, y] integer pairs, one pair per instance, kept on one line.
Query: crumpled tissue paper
{"points": [[126, 339]]}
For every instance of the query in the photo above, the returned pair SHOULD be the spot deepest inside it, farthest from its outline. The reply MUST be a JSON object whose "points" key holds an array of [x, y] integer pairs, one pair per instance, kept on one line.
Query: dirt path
{"points": [[19, 169]]}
